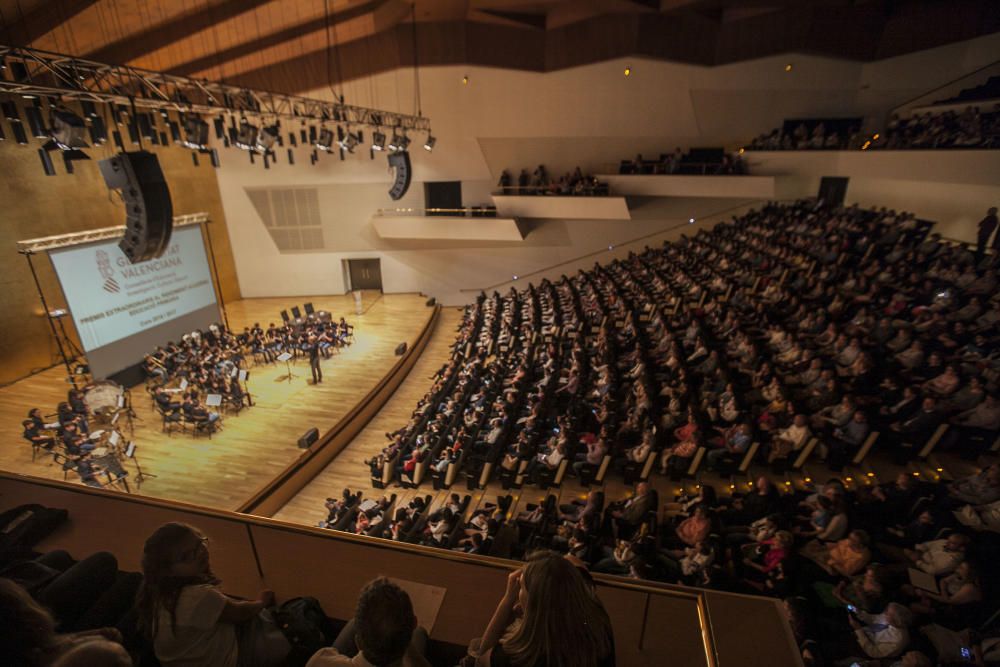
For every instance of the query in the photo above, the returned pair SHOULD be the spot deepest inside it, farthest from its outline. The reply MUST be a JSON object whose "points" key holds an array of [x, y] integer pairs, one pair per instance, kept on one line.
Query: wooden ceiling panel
{"points": [[282, 44]]}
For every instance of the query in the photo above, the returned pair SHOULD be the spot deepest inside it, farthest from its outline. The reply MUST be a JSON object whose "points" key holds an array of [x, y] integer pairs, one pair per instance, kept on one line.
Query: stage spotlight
{"points": [[246, 138], [345, 140], [399, 142], [195, 133], [266, 138], [68, 134], [429, 144], [325, 140], [378, 141]]}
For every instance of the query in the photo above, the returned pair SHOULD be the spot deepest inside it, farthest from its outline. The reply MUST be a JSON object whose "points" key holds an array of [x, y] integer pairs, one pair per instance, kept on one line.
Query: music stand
{"points": [[140, 476], [243, 376], [286, 356]]}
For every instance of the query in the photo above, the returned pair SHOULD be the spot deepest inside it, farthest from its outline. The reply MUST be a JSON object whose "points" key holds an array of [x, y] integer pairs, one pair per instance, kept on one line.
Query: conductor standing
{"points": [[317, 372]]}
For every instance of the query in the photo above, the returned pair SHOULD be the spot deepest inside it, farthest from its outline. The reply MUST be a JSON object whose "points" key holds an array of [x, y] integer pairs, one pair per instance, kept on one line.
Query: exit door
{"points": [[365, 273]]}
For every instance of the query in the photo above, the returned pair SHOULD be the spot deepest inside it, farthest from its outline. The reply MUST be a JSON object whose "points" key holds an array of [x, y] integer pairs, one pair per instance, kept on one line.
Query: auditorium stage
{"points": [[254, 446]]}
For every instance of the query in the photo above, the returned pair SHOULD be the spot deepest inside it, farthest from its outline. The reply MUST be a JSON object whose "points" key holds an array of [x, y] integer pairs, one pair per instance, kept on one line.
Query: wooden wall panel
{"points": [[34, 205]]}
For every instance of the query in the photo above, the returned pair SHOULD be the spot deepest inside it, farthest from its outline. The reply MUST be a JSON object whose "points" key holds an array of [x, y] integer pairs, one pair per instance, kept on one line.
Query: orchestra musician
{"points": [[33, 434]]}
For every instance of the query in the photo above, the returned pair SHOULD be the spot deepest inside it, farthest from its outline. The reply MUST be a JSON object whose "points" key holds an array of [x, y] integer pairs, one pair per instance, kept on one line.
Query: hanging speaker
{"points": [[149, 213], [400, 164]]}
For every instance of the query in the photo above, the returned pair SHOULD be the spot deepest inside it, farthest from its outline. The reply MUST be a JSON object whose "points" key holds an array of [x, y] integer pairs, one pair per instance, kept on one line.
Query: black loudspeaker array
{"points": [[400, 164], [149, 213]]}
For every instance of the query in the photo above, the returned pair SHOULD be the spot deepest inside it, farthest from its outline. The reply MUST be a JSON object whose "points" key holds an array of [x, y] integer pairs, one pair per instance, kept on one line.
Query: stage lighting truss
{"points": [[35, 74]]}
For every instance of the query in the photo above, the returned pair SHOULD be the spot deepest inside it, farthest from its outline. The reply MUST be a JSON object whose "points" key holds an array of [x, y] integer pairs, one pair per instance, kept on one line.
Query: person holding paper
{"points": [[384, 631]]}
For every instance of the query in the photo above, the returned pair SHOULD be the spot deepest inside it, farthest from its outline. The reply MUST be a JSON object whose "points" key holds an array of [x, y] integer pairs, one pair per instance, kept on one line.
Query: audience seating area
{"points": [[696, 162], [540, 182], [811, 134], [974, 127], [797, 335]]}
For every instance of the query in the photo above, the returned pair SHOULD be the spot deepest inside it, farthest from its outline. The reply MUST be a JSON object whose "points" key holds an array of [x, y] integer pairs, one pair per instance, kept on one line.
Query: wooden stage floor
{"points": [[254, 446]]}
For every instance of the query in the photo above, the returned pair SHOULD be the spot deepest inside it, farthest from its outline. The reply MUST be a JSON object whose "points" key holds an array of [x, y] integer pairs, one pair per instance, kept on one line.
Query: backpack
{"points": [[304, 624]]}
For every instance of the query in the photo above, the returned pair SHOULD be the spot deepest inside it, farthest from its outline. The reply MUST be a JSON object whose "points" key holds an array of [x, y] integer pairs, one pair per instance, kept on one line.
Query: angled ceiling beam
{"points": [[289, 34], [156, 37], [44, 20]]}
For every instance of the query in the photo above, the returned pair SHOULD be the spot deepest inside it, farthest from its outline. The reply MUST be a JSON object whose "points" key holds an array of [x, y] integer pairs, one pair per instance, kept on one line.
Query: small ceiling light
{"points": [[378, 141], [465, 80], [875, 136], [628, 71], [788, 67], [741, 151], [690, 221], [611, 247], [515, 277], [431, 140]]}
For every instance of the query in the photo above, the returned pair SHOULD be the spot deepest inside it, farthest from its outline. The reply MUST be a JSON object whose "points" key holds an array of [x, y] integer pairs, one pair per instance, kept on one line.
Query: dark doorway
{"points": [[832, 190], [365, 273], [442, 194]]}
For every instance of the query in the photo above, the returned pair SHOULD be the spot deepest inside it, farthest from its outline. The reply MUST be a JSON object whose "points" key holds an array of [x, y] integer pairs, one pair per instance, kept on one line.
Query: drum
{"points": [[109, 464], [104, 397]]}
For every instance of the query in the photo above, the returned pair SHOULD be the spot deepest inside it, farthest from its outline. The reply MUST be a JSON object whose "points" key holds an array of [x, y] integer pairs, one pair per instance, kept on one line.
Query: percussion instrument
{"points": [[104, 397]]}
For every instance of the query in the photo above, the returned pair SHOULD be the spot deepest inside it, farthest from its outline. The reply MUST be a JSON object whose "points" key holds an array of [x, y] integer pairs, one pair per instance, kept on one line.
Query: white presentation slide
{"points": [[122, 310]]}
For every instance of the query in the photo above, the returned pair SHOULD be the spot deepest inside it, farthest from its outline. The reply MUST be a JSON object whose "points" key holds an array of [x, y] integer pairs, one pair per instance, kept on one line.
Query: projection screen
{"points": [[122, 310]]}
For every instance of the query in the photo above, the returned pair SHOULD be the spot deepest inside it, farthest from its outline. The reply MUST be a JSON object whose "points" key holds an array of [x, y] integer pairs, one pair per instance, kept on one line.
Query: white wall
{"points": [[590, 116]]}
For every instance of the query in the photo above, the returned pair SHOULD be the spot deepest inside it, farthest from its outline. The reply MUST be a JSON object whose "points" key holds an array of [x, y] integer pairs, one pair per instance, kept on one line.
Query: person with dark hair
{"points": [[189, 620], [562, 622], [383, 632]]}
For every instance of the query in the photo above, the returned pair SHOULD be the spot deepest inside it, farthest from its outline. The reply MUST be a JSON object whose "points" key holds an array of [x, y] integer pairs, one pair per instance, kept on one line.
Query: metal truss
{"points": [[45, 74], [33, 246]]}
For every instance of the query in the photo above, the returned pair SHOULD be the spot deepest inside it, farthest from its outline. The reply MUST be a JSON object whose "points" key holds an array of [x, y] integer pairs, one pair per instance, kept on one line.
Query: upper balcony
{"points": [[449, 224]]}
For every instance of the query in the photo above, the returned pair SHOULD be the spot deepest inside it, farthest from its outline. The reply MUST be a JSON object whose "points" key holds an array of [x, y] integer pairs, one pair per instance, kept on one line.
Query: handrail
{"points": [[465, 211], [552, 190], [588, 255], [942, 86]]}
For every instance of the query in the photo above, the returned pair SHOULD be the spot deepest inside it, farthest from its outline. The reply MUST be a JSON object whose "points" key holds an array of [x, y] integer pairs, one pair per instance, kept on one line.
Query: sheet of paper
{"points": [[426, 600]]}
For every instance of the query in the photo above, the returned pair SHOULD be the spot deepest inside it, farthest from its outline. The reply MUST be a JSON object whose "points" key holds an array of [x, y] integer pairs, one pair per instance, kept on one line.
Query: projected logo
{"points": [[108, 273]]}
